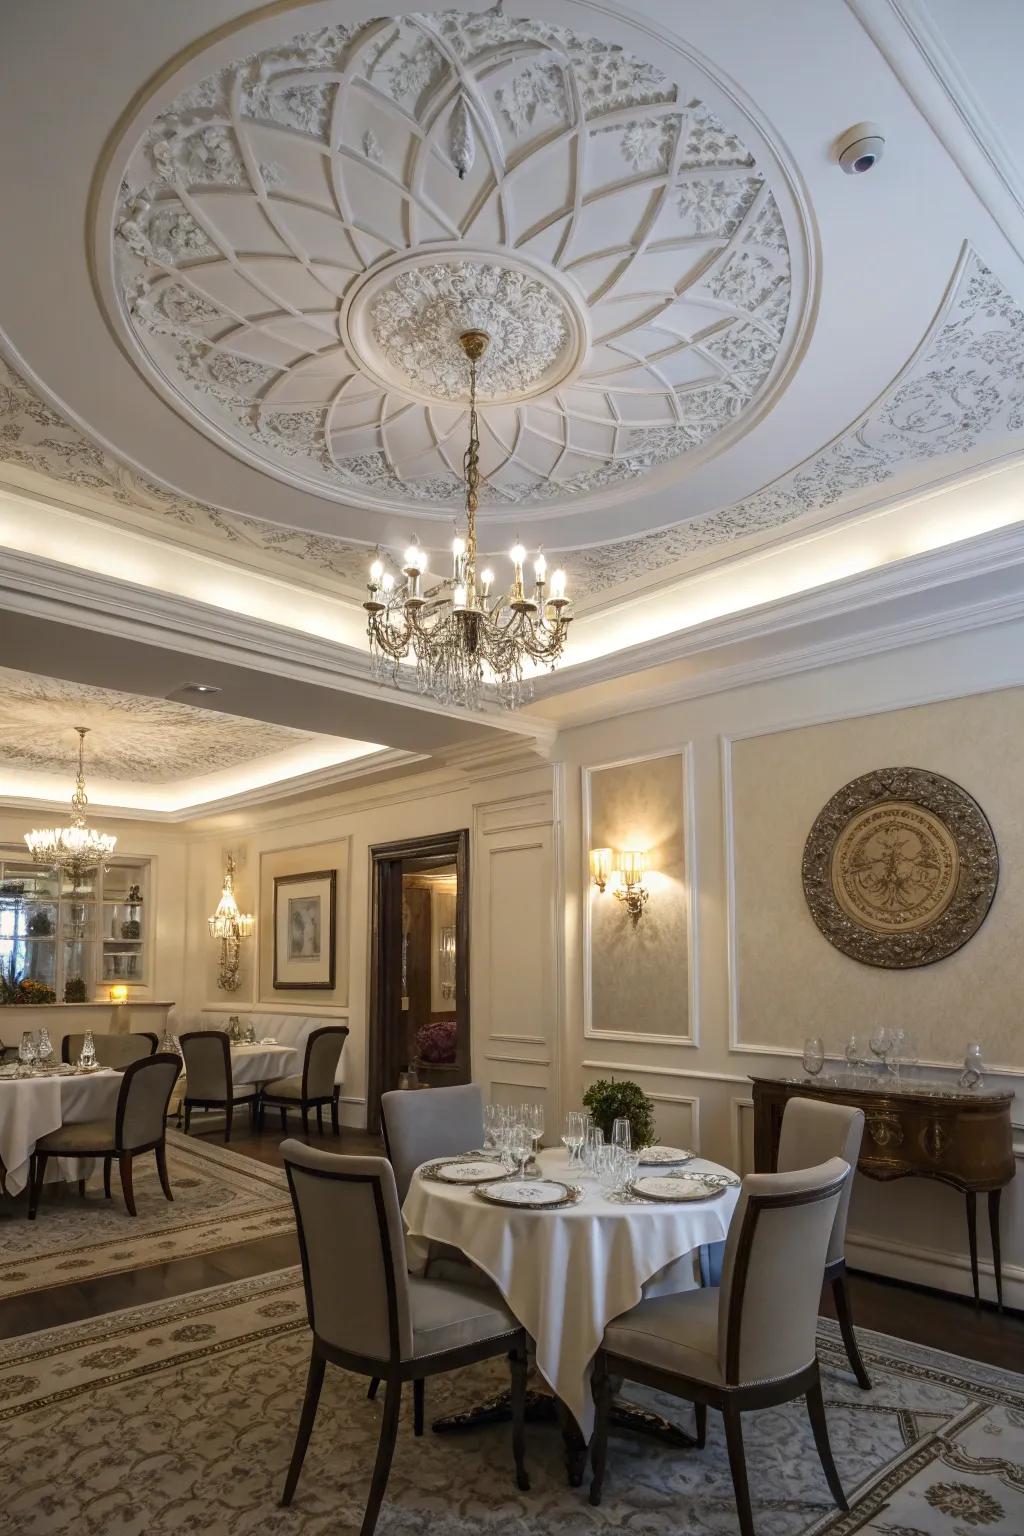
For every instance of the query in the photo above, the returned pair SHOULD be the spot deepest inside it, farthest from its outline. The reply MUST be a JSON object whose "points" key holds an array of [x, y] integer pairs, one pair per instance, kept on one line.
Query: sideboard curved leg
{"points": [[993, 1227], [972, 1238]]}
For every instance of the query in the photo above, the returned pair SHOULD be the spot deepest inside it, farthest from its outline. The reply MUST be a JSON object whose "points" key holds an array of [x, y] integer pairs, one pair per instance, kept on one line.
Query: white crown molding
{"points": [[936, 575], [89, 600], [913, 44]]}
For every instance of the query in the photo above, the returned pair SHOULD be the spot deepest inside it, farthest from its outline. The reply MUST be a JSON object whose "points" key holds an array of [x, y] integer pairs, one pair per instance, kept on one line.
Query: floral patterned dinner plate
{"points": [[665, 1157], [465, 1171], [655, 1188], [534, 1194]]}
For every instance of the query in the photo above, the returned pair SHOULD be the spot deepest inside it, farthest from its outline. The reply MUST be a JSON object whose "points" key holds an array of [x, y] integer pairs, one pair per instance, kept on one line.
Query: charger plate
{"points": [[675, 1190], [531, 1194], [665, 1157], [463, 1171]]}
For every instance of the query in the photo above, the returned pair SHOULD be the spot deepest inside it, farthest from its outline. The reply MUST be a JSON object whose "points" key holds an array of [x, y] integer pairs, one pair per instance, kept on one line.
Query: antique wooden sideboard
{"points": [[957, 1136]]}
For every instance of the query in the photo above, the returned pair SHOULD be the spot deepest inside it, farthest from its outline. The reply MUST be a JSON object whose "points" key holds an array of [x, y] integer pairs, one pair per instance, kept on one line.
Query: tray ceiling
{"points": [[300, 237]]}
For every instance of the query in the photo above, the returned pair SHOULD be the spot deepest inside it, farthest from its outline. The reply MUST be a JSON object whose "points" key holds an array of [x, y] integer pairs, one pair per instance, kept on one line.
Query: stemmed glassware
{"points": [[621, 1134], [26, 1052], [856, 1054], [814, 1055], [492, 1124], [883, 1043], [520, 1144], [533, 1119], [572, 1135], [593, 1142]]}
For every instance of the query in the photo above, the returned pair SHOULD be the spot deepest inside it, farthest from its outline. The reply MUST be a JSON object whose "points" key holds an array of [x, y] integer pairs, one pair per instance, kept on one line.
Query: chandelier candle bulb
{"points": [[459, 597], [487, 580], [558, 587], [376, 572]]}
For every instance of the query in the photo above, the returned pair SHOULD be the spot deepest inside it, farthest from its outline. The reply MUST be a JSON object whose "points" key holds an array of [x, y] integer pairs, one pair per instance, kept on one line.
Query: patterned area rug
{"points": [[179, 1417], [220, 1199]]}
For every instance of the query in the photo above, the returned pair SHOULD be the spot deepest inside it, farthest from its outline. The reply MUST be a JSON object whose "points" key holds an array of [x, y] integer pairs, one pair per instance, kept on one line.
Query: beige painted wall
{"points": [[639, 976], [790, 981]]}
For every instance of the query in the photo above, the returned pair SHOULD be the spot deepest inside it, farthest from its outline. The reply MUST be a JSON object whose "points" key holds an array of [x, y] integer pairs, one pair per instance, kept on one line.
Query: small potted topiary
{"points": [[75, 990], [609, 1101]]}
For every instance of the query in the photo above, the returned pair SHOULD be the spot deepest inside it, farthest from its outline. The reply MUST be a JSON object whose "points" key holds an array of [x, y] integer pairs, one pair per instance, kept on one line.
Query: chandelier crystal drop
{"points": [[460, 636], [75, 849]]}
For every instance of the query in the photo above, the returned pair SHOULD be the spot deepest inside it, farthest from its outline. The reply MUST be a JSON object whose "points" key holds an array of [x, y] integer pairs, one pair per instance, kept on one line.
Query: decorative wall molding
{"points": [[938, 1269], [737, 1106], [273, 316], [960, 390], [660, 1071], [691, 881]]}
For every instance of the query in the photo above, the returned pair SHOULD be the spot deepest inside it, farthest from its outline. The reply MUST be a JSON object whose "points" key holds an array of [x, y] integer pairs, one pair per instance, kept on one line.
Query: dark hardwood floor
{"points": [[909, 1312]]}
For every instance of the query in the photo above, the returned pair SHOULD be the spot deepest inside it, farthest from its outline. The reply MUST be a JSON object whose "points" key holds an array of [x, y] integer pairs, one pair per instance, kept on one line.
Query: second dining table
{"points": [[32, 1106], [263, 1062], [567, 1272]]}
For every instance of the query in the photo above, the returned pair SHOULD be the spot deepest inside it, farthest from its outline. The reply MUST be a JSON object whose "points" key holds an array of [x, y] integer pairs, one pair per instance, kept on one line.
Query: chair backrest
{"points": [[353, 1251], [812, 1132], [434, 1122], [207, 1057], [323, 1049], [773, 1269], [117, 1051], [142, 1100]]}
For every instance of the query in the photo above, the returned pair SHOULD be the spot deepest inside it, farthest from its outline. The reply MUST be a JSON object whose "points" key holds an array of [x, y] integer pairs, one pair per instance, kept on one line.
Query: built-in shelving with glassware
{"points": [[78, 939]]}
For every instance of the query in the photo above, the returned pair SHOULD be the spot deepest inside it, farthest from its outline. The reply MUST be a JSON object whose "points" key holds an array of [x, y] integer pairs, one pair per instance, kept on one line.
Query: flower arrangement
{"points": [[16, 989], [435, 1043], [75, 990], [609, 1101]]}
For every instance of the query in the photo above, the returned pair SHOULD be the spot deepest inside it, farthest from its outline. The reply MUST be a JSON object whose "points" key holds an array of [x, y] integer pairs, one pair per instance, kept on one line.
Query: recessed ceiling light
{"points": [[196, 688]]}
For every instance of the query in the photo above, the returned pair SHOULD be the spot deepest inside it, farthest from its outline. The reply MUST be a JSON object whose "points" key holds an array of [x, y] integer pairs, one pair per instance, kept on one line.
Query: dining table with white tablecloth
{"points": [[567, 1272], [262, 1063], [33, 1106]]}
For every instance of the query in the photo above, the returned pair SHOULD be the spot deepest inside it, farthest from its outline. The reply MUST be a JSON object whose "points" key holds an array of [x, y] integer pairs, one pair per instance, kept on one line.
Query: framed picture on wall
{"points": [[305, 937]]}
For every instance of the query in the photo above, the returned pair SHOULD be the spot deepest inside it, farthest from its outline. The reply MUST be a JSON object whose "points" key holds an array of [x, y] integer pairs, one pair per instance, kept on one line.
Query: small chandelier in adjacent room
{"points": [[460, 635], [230, 926], [76, 849]]}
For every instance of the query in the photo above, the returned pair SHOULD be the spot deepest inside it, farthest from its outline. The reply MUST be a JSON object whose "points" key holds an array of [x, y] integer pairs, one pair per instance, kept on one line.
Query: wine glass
{"points": [[520, 1145], [492, 1118], [622, 1135], [572, 1136], [593, 1141], [814, 1055], [855, 1053], [534, 1122], [629, 1170], [26, 1052], [882, 1044]]}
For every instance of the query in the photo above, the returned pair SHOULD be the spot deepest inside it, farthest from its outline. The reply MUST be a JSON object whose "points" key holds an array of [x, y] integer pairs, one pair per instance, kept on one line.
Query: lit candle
{"points": [[487, 580], [376, 572], [388, 581], [557, 585], [459, 596], [540, 567], [458, 550], [517, 554], [412, 558]]}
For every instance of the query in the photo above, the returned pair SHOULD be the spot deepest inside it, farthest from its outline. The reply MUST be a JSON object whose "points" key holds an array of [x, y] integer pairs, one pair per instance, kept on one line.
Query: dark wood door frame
{"points": [[386, 860]]}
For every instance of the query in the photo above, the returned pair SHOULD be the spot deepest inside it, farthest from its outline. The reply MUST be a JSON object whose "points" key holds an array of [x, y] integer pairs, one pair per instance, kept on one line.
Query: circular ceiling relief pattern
{"points": [[300, 237]]}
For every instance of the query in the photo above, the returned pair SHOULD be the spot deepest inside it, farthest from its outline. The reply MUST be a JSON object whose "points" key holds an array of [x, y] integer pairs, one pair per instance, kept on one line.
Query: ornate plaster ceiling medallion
{"points": [[301, 236], [405, 319]]}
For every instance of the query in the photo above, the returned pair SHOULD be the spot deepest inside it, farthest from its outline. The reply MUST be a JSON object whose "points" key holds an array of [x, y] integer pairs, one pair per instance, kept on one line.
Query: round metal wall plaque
{"points": [[900, 868]]}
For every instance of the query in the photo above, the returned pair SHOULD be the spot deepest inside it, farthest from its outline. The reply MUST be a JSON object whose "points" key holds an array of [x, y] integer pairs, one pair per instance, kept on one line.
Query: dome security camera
{"points": [[860, 148]]}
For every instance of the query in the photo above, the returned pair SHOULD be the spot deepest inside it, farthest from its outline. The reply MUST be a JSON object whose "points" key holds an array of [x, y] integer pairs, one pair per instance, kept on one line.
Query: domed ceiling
{"points": [[301, 236]]}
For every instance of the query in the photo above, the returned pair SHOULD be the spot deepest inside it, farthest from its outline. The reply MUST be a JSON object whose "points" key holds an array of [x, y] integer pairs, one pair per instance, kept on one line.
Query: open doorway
{"points": [[419, 965]]}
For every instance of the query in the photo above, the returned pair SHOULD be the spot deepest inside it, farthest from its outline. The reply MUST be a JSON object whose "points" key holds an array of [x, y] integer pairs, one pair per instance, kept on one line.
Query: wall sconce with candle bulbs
{"points": [[624, 870], [230, 926]]}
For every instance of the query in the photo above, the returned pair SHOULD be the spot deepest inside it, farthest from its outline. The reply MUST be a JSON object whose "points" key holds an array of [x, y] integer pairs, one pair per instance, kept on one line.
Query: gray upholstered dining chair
{"points": [[117, 1051], [208, 1081], [314, 1086], [139, 1124], [813, 1130], [749, 1343], [435, 1122], [368, 1315]]}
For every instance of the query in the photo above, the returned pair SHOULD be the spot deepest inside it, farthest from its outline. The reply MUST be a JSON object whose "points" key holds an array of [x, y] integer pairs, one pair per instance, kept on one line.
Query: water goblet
{"points": [[572, 1136], [593, 1141], [622, 1135], [26, 1053], [882, 1043], [629, 1169], [534, 1121], [856, 1055], [520, 1144], [492, 1119], [814, 1055], [606, 1166]]}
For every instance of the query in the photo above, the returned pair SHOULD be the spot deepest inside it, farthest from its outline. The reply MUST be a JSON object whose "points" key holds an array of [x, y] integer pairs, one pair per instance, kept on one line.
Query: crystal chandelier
{"points": [[76, 849], [230, 926], [461, 637]]}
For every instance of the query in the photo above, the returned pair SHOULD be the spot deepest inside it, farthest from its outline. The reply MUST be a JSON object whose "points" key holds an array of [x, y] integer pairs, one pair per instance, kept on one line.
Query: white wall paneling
{"points": [[691, 1034]]}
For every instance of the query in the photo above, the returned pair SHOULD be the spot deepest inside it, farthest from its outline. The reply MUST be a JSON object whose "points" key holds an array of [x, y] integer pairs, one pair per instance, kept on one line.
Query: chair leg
{"points": [[188, 1116], [320, 1119], [602, 1389], [161, 1168], [106, 1177], [124, 1164], [819, 1424], [335, 1123], [738, 1468], [253, 1111], [259, 1113], [385, 1451], [841, 1297], [305, 1121], [371, 1391], [700, 1413], [314, 1382], [518, 1365], [36, 1170], [418, 1398], [81, 1188], [229, 1115], [284, 1119]]}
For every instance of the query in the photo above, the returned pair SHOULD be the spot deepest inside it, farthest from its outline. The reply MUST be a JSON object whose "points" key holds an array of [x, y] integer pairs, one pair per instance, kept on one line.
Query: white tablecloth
{"points": [[263, 1063], [30, 1107], [566, 1273]]}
